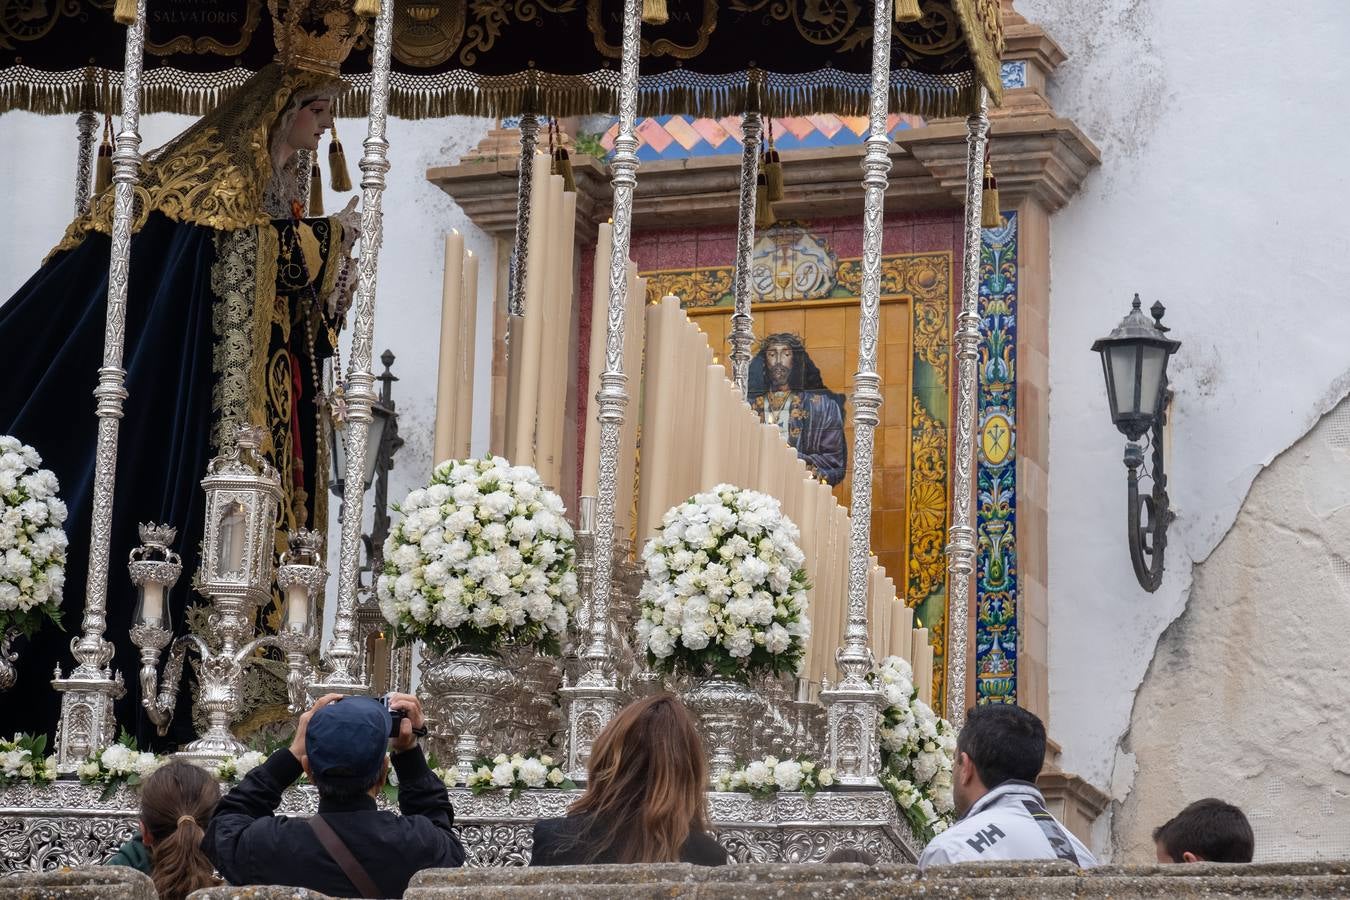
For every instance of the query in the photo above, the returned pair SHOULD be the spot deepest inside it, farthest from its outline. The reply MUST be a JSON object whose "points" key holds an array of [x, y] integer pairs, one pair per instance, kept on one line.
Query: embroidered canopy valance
{"points": [[506, 57]]}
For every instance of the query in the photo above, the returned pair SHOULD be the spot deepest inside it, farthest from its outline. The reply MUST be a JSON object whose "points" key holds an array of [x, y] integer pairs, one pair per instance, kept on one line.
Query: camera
{"points": [[396, 716]]}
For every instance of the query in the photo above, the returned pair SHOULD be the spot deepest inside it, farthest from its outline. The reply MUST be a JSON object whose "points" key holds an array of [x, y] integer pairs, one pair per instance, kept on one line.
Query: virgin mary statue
{"points": [[233, 306]]}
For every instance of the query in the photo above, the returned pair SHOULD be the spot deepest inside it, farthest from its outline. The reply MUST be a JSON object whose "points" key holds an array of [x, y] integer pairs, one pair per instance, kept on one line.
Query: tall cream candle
{"points": [[923, 666], [825, 591], [468, 329], [447, 372], [838, 611], [590, 465], [634, 335], [553, 342], [767, 439], [527, 408], [697, 360], [711, 468], [902, 624], [656, 434]]}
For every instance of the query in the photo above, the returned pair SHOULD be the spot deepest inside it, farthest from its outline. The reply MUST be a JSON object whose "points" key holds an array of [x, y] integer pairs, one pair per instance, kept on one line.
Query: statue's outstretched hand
{"points": [[350, 220]]}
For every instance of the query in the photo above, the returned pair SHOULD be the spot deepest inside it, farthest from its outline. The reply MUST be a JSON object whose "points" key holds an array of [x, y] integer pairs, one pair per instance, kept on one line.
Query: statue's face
{"points": [[778, 359], [313, 119]]}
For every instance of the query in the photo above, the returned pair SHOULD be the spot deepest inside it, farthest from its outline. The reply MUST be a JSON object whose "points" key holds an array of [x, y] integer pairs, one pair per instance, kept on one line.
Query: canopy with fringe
{"points": [[507, 57]]}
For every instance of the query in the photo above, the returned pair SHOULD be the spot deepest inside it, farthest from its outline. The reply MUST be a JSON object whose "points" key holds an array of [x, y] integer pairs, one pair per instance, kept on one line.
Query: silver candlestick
{"points": [[154, 569], [301, 577], [242, 494]]}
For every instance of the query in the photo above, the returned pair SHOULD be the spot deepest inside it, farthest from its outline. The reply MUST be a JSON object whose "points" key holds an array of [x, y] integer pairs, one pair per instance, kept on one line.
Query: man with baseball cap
{"points": [[351, 848]]}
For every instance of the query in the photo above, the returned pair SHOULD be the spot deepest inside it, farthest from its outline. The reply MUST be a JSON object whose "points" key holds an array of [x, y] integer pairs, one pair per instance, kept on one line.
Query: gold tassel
{"points": [[763, 208], [773, 174], [315, 192], [368, 8], [907, 11], [990, 215], [654, 12], [339, 175], [562, 165], [103, 169], [124, 12]]}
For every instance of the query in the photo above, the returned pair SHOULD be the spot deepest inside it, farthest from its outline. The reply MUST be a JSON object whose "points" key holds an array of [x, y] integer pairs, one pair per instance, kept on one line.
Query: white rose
{"points": [[777, 639], [248, 761], [533, 773], [788, 775], [660, 643], [825, 777], [757, 774], [740, 643]]}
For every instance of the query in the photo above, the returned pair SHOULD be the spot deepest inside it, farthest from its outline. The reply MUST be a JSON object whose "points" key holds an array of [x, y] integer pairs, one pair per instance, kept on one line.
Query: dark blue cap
{"points": [[346, 741]]}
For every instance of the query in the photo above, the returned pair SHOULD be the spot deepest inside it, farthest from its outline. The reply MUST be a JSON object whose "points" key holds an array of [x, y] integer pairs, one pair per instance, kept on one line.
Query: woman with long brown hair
{"points": [[645, 798], [176, 803]]}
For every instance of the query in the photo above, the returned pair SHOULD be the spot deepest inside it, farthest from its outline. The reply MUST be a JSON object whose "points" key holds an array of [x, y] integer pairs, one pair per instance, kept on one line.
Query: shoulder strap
{"points": [[355, 872]]}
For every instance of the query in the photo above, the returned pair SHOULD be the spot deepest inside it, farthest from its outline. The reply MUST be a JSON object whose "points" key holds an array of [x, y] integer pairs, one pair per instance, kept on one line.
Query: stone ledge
{"points": [[94, 883]]}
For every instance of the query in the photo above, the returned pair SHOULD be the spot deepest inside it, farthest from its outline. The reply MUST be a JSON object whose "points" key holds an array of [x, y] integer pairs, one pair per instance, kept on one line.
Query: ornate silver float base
{"points": [[465, 695], [68, 824], [727, 711]]}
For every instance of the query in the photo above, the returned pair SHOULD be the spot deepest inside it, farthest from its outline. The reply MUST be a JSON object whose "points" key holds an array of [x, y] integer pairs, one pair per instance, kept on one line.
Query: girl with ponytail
{"points": [[176, 803]]}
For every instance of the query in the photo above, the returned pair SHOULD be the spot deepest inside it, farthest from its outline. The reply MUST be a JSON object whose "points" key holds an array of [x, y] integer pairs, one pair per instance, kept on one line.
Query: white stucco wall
{"points": [[37, 165], [1221, 193]]}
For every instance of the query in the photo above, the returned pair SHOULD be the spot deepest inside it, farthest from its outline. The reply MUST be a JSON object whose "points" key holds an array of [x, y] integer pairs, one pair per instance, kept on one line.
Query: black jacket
{"points": [[563, 842], [249, 845]]}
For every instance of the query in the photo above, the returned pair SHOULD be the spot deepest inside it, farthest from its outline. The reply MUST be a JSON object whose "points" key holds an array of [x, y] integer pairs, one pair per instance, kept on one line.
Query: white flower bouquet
{"points": [[32, 540], [481, 558], [762, 778], [119, 764], [725, 592], [234, 768], [513, 773], [918, 750], [21, 759]]}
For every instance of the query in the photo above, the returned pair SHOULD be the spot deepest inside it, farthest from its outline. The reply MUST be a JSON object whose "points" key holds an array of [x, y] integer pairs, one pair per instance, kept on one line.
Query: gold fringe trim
{"points": [[561, 96]]}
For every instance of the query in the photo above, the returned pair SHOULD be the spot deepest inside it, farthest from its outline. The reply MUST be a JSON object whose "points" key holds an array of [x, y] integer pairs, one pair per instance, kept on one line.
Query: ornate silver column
{"points": [[855, 705], [342, 660], [594, 698], [87, 125], [529, 138], [86, 696], [742, 333], [961, 534]]}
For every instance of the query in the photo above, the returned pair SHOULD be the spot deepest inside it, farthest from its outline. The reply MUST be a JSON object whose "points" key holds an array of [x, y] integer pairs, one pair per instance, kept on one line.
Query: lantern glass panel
{"points": [[299, 608], [1152, 365], [151, 605], [1122, 362], [374, 435], [231, 539]]}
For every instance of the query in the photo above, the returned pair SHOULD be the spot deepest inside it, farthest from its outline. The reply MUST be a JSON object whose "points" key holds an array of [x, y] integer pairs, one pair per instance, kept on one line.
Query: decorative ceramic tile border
{"points": [[1014, 74], [996, 524]]}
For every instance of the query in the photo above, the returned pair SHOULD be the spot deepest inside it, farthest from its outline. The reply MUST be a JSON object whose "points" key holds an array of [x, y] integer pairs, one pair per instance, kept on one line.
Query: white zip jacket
{"points": [[1009, 822]]}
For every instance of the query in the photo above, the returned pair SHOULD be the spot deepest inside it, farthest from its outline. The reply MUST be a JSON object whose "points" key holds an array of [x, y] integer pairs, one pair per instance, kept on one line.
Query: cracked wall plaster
{"points": [[1246, 697]]}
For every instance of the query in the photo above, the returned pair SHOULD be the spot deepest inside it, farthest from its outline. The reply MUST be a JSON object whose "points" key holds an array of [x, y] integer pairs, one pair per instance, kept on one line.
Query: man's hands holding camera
{"points": [[409, 723], [404, 709]]}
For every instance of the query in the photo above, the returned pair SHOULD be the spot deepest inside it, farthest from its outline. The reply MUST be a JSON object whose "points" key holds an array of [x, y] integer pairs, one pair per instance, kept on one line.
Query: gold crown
{"points": [[315, 35]]}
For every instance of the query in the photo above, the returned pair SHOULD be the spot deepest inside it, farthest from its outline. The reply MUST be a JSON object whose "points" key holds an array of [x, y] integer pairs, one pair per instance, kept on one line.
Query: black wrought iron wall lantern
{"points": [[1134, 361]]}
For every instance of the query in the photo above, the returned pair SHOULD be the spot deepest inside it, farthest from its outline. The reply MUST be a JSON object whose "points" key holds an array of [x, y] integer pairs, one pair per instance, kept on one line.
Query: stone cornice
{"points": [[1038, 156]]}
